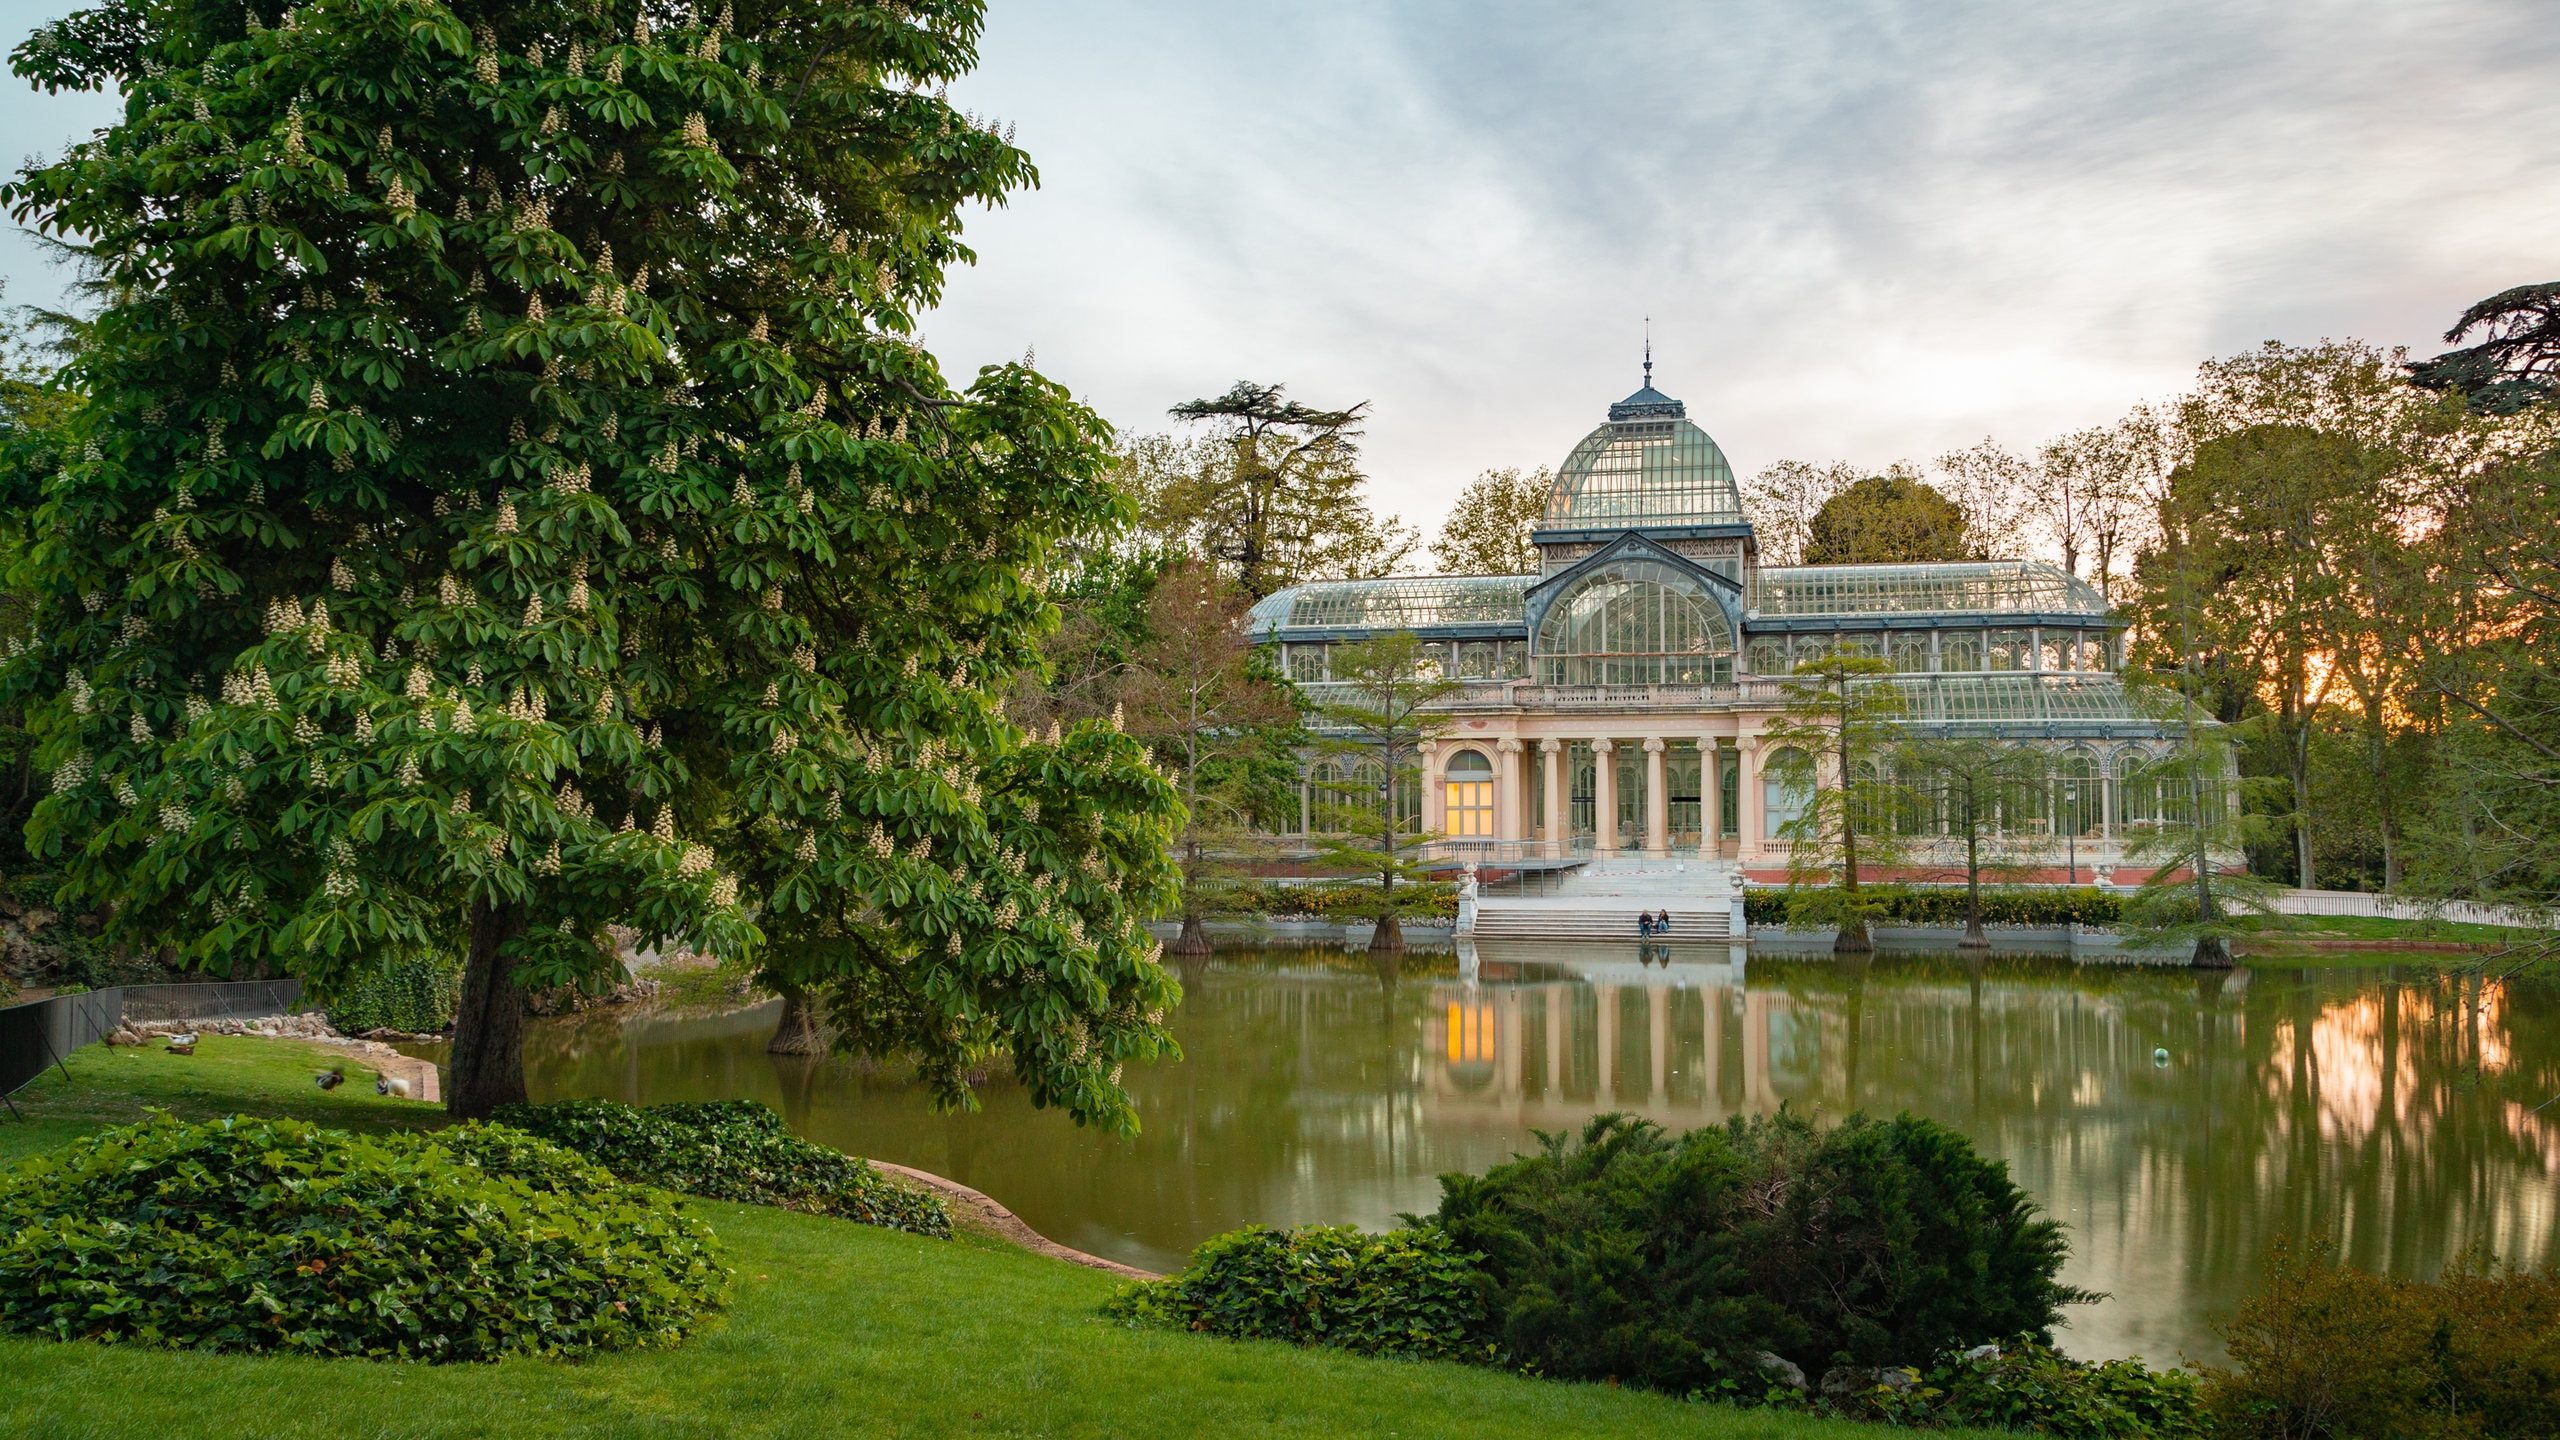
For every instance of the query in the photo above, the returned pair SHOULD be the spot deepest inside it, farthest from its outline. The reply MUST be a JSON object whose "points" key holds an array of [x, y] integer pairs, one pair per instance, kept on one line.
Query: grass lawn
{"points": [[835, 1329], [2292, 935]]}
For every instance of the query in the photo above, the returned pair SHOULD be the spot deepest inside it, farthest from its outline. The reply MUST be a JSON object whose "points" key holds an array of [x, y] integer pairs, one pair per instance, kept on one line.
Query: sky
{"points": [[1861, 232]]}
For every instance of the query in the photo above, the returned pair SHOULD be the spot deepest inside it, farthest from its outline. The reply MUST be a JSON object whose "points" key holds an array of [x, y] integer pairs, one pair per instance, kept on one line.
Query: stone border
{"points": [[1005, 1224]]}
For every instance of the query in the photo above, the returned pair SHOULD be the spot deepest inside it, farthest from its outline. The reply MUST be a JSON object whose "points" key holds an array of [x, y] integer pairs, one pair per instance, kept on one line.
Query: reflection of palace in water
{"points": [[1674, 1035]]}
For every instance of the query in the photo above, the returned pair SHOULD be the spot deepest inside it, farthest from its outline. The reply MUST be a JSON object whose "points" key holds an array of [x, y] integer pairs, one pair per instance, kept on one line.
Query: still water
{"points": [[2391, 1107]]}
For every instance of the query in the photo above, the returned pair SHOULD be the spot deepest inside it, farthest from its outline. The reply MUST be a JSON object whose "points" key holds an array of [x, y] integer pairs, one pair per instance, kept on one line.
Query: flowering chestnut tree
{"points": [[507, 503]]}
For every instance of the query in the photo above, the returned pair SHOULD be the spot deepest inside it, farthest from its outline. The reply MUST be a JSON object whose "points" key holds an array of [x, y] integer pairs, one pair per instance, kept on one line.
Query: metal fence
{"points": [[45, 1032]]}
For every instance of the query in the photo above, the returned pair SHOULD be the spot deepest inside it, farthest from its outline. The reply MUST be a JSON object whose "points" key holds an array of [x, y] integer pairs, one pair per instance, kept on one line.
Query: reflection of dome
{"points": [[1647, 466]]}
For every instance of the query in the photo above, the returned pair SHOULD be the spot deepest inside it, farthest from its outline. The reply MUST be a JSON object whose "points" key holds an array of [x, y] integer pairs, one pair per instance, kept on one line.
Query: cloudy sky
{"points": [[1862, 232]]}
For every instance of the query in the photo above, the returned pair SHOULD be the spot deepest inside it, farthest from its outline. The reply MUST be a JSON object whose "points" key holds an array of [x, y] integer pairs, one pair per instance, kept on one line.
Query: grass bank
{"points": [[837, 1329], [2361, 938]]}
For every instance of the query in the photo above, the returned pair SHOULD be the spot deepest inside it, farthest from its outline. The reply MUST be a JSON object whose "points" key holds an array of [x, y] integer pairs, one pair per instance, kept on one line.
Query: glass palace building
{"points": [[1615, 702]]}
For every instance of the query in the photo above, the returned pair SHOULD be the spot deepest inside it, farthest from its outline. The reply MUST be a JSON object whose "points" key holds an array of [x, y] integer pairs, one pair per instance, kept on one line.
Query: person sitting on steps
{"points": [[1662, 923], [1644, 923]]}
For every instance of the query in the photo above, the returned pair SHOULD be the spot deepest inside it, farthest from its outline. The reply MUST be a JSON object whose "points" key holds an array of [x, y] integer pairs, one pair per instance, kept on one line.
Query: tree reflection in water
{"points": [[2390, 1107]]}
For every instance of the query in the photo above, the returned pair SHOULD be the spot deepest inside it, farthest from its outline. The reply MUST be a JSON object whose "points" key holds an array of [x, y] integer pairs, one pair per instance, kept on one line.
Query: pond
{"points": [[2390, 1106]]}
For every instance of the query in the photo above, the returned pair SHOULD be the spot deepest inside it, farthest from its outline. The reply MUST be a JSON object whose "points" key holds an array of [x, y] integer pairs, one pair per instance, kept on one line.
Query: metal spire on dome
{"points": [[1648, 403]]}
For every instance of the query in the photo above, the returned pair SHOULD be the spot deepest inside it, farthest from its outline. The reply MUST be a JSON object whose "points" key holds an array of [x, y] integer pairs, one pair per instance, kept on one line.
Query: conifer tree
{"points": [[509, 502]]}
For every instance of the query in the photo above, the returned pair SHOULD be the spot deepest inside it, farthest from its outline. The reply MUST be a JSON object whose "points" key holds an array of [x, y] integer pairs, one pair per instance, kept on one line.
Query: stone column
{"points": [[1604, 797], [1657, 799], [1435, 800], [1558, 828], [1510, 796], [1747, 760], [1710, 799]]}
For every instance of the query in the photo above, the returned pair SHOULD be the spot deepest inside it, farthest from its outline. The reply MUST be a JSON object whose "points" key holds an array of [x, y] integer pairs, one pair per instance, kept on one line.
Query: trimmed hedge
{"points": [[1904, 905], [1427, 901], [246, 1234], [731, 1150], [1407, 1292]]}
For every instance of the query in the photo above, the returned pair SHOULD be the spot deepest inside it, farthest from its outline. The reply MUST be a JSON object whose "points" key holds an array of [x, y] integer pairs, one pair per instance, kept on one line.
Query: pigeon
{"points": [[330, 1079]]}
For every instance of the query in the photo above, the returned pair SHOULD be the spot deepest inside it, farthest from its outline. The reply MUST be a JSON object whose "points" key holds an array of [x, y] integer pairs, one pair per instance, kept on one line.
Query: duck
{"points": [[331, 1078]]}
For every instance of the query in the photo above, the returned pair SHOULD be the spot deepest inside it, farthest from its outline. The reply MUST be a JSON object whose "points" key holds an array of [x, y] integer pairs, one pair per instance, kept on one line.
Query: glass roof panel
{"points": [[1411, 602], [1647, 469], [1989, 587], [2018, 699]]}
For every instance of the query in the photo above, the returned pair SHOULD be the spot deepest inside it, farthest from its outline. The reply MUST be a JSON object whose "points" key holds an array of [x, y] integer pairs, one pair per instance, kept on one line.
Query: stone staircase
{"points": [[1601, 900], [1591, 920]]}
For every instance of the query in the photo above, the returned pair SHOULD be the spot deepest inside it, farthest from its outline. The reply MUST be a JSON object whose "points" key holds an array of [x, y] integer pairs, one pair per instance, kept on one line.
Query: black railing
{"points": [[45, 1032]]}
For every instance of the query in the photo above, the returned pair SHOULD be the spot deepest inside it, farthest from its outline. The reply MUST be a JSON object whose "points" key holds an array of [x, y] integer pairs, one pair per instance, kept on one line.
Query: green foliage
{"points": [[731, 1150], [1407, 1292], [1487, 532], [412, 993], [1333, 900], [469, 1244], [2331, 1351], [1381, 718], [2036, 906], [1887, 520], [2029, 1386], [1664, 1262], [503, 436]]}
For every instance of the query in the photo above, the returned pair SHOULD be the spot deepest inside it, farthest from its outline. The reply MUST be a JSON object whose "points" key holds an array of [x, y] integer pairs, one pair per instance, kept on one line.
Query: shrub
{"points": [[731, 1150], [415, 995], [1667, 1263], [1427, 900], [1407, 1292], [250, 1234], [2328, 1350], [2038, 906], [2029, 1386]]}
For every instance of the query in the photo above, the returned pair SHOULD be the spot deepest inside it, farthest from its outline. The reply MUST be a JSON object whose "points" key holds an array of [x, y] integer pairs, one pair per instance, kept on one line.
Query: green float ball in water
{"points": [[2160, 1055]]}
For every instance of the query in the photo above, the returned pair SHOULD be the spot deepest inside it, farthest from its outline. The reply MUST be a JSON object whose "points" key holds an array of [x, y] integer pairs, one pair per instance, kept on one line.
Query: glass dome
{"points": [[1635, 622], [1647, 466]]}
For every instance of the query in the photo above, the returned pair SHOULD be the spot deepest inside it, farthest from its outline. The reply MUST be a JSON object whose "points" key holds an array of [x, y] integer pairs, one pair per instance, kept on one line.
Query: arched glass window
{"points": [[2137, 790], [1786, 791], [1635, 622], [1469, 793], [2077, 794]]}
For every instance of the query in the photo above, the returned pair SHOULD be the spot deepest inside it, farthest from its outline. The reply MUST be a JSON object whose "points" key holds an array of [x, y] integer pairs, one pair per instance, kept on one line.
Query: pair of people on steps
{"points": [[1652, 925]]}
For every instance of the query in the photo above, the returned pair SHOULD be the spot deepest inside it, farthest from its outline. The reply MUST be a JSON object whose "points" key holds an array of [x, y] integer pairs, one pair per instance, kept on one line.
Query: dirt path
{"points": [[982, 1212]]}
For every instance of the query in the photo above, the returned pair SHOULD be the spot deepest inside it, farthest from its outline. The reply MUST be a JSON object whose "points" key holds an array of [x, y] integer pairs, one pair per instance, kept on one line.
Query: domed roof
{"points": [[1648, 466]]}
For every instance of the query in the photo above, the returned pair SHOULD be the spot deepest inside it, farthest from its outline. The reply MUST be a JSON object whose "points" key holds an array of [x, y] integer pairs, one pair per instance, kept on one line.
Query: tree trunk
{"points": [[1388, 938], [2211, 954], [1194, 939], [798, 1032], [1974, 938], [488, 1024]]}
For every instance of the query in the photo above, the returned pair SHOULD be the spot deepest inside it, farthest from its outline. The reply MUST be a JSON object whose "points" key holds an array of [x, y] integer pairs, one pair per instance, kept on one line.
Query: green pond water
{"points": [[2391, 1107]]}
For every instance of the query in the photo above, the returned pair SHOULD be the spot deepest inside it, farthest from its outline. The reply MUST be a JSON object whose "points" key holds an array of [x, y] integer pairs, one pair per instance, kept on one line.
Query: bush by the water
{"points": [[2027, 1386], [1407, 1292], [415, 994], [1944, 905], [466, 1244], [1670, 1262], [731, 1150], [2327, 1350], [1330, 899]]}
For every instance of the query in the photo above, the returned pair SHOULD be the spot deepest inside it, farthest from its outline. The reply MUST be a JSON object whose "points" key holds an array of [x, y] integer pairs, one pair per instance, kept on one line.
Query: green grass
{"points": [[2308, 931], [836, 1329]]}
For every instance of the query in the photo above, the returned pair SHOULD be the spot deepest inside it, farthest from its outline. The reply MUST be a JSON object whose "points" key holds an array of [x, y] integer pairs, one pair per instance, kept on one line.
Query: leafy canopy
{"points": [[508, 494]]}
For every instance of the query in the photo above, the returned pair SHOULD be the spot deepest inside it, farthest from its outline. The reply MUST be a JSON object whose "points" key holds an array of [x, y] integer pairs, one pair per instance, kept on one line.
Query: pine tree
{"points": [[1833, 744], [509, 502]]}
